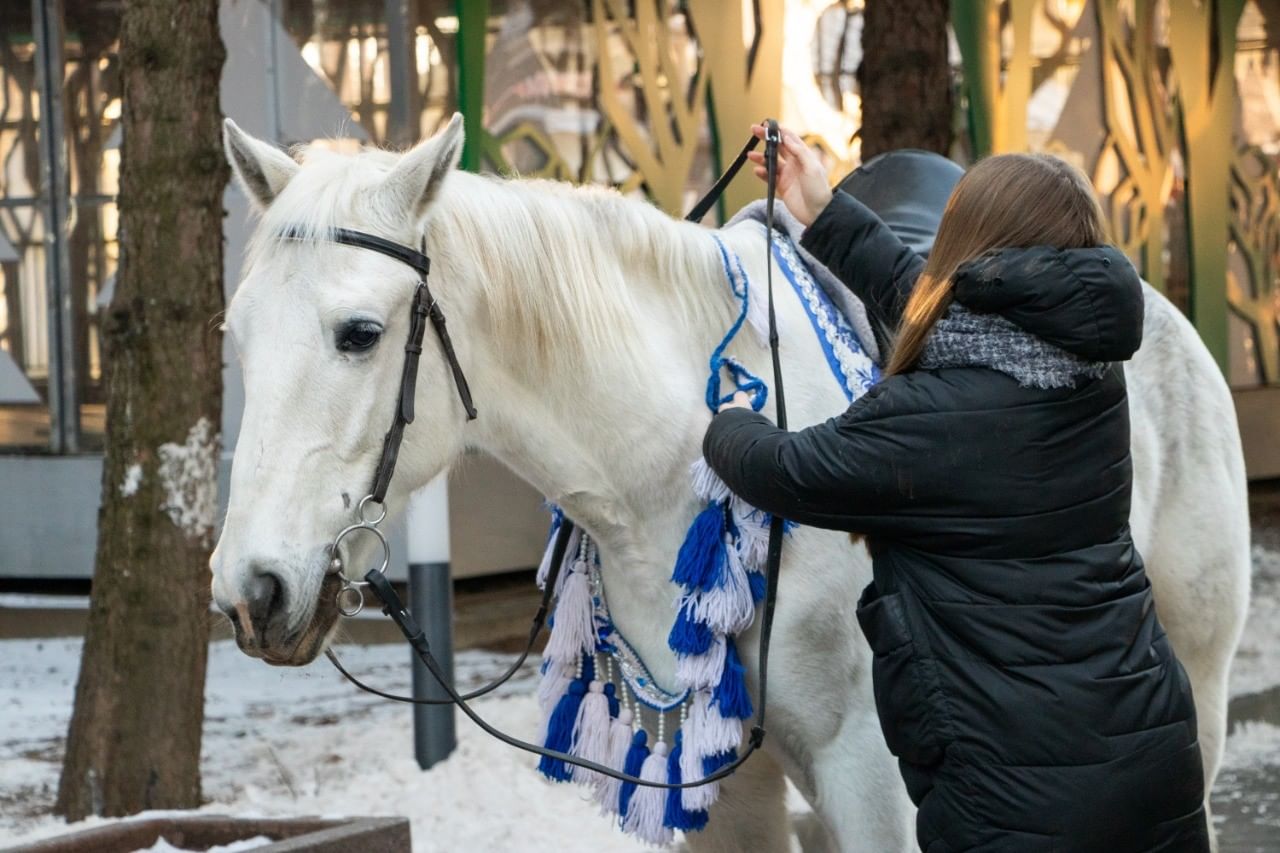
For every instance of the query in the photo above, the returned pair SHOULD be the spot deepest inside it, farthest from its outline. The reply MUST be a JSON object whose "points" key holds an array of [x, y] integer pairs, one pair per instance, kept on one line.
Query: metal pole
{"points": [[64, 410], [272, 88], [431, 603], [402, 130]]}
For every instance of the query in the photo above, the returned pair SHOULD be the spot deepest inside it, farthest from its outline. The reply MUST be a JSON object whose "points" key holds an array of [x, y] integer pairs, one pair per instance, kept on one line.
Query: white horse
{"points": [[584, 321]]}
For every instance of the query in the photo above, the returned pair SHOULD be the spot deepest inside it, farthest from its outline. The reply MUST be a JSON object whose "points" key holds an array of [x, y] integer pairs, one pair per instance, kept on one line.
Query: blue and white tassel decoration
{"points": [[719, 570]]}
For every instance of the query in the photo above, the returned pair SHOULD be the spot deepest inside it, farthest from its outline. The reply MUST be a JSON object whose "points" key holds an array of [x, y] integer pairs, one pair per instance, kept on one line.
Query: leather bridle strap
{"points": [[396, 251], [423, 308]]}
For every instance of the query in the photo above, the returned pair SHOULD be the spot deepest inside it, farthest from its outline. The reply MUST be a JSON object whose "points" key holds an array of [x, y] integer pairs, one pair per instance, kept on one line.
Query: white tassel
{"points": [[753, 535], [554, 684], [570, 555], [608, 788], [706, 483], [574, 631], [701, 797], [706, 732], [544, 567], [701, 671], [591, 732], [648, 806], [727, 608]]}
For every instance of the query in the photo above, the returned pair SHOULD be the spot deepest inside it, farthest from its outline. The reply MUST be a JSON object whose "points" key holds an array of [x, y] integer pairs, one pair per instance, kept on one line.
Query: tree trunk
{"points": [[904, 78], [134, 741]]}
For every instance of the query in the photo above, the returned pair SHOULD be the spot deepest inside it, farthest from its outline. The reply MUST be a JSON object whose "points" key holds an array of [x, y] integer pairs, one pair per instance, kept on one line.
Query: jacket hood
{"points": [[1089, 302]]}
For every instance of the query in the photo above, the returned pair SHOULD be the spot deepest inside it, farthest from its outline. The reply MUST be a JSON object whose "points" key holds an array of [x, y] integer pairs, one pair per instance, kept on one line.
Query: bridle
{"points": [[350, 597], [424, 307]]}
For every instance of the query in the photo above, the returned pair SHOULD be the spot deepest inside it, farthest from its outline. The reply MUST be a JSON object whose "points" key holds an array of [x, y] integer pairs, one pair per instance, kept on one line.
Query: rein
{"points": [[350, 596]]}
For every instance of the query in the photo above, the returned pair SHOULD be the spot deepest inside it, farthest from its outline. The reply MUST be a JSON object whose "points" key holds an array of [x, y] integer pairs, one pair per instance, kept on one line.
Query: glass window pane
{"points": [[820, 58], [24, 328], [91, 92], [576, 99], [1253, 269], [348, 44]]}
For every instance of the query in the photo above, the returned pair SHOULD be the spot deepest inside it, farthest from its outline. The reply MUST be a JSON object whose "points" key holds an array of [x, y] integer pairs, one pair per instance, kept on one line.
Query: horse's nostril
{"points": [[265, 595]]}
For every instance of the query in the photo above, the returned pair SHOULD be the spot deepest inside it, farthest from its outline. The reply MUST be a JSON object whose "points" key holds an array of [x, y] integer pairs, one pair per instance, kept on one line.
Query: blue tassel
{"points": [[788, 525], [757, 582], [689, 637], [560, 732], [611, 694], [676, 816], [635, 760], [712, 763], [702, 552], [731, 693], [557, 518]]}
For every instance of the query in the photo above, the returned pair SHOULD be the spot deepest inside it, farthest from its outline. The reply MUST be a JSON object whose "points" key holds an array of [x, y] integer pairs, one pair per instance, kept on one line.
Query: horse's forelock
{"points": [[332, 190]]}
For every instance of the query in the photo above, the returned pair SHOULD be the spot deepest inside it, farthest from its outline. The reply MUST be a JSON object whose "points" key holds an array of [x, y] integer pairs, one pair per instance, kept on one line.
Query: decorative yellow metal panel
{"points": [[742, 47], [1254, 290], [658, 79], [1141, 95], [1135, 172]]}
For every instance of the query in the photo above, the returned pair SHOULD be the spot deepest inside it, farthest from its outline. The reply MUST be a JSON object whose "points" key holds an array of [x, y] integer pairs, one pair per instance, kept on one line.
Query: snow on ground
{"points": [[1256, 667], [303, 742]]}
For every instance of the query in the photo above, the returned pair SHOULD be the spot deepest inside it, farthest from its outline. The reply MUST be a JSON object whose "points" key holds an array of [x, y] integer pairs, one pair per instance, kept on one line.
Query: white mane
{"points": [[563, 273]]}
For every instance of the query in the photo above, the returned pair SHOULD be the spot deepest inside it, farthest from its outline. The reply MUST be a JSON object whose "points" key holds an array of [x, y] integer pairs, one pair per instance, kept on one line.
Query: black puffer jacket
{"points": [[1021, 675]]}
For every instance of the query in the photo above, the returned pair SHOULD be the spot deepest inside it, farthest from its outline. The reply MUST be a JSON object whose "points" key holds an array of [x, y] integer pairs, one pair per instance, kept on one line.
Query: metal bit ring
{"points": [[350, 597]]}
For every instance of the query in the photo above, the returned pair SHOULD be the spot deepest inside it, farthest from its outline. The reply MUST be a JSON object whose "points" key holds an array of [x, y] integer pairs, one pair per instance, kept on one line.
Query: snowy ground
{"points": [[290, 742]]}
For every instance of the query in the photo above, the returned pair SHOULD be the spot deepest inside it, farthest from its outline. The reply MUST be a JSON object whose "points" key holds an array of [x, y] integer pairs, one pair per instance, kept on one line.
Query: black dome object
{"points": [[908, 189]]}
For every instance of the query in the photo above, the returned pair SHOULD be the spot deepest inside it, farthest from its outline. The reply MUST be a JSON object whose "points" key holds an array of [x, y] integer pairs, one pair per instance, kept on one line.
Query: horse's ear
{"points": [[415, 181], [262, 168]]}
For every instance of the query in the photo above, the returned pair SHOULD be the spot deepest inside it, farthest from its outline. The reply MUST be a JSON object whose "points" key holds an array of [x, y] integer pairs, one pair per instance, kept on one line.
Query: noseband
{"points": [[350, 596]]}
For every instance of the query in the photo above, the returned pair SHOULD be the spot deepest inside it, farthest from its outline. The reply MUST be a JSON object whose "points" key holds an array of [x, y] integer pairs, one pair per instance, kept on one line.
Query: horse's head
{"points": [[320, 329]]}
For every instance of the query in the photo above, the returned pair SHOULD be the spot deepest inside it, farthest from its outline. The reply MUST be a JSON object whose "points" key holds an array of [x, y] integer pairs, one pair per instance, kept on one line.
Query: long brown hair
{"points": [[1006, 201]]}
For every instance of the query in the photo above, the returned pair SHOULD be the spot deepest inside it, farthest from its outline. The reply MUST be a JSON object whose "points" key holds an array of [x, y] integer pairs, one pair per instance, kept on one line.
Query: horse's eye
{"points": [[358, 336]]}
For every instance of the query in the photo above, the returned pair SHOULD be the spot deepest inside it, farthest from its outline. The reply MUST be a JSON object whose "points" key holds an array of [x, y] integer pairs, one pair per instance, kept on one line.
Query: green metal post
{"points": [[473, 23], [980, 60], [1208, 96]]}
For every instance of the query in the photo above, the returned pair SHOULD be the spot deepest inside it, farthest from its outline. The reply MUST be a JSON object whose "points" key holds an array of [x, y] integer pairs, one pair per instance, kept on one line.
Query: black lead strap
{"points": [[385, 592], [717, 189], [777, 526]]}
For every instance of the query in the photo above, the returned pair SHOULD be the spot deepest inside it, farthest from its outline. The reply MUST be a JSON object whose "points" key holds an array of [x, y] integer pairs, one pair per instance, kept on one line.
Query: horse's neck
{"points": [[610, 443]]}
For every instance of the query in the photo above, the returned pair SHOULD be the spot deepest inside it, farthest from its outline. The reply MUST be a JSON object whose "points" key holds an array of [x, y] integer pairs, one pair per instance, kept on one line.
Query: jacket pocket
{"points": [[907, 697]]}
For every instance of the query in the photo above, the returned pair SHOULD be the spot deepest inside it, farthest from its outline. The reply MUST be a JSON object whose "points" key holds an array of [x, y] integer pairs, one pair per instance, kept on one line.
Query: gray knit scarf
{"points": [[963, 338]]}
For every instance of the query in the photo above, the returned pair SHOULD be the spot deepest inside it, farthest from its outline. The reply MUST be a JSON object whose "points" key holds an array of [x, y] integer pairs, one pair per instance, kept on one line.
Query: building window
{"points": [[55, 281]]}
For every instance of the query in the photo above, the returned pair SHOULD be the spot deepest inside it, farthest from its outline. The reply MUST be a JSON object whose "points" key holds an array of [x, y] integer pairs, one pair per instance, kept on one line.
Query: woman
{"points": [[1021, 675]]}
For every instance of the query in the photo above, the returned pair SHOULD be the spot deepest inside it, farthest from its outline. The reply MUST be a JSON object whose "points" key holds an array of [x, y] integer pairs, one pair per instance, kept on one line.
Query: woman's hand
{"points": [[802, 181], [741, 400]]}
